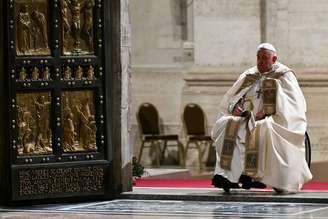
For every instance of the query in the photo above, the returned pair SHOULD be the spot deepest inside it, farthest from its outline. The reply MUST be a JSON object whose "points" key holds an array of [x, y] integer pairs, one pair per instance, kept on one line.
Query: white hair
{"points": [[267, 46]]}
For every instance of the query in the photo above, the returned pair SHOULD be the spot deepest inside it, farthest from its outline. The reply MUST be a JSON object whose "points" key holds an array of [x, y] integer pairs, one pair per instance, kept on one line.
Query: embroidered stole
{"points": [[229, 142], [249, 80], [252, 151], [269, 86]]}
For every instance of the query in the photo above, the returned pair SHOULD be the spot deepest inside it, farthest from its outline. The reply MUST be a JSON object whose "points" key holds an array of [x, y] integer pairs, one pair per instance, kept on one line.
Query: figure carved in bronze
{"points": [[90, 74], [88, 22], [24, 27], [46, 74], [32, 28], [77, 26], [22, 74], [68, 73], [69, 131], [40, 39], [24, 130], [84, 117], [79, 73], [42, 123], [35, 74], [66, 27]]}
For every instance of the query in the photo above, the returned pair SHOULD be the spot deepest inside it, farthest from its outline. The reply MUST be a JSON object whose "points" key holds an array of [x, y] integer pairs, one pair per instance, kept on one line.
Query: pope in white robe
{"points": [[259, 132]]}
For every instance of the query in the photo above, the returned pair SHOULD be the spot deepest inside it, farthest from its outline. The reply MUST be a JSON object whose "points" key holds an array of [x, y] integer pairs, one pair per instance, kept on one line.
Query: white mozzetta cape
{"points": [[281, 156]]}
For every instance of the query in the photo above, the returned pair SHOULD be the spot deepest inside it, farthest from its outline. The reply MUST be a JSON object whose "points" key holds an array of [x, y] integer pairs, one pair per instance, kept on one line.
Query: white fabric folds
{"points": [[281, 156]]}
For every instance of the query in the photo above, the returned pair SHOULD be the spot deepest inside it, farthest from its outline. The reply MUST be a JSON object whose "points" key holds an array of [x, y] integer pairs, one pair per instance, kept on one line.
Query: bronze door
{"points": [[56, 93]]}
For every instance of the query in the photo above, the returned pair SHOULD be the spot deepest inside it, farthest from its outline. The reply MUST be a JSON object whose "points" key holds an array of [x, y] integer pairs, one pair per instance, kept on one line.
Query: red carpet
{"points": [[207, 184]]}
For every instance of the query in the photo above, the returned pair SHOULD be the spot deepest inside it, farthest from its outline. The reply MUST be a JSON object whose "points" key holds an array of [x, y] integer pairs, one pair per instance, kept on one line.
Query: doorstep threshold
{"points": [[214, 194]]}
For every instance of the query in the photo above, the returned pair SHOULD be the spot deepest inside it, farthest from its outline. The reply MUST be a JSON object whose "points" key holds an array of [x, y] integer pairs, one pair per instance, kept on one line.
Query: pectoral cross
{"points": [[259, 91]]}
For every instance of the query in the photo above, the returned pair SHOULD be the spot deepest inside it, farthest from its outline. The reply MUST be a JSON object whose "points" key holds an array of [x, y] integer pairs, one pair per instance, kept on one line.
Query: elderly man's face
{"points": [[265, 60]]}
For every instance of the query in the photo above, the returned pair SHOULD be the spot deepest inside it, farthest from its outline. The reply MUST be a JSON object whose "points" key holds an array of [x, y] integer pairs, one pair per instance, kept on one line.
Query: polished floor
{"points": [[158, 209]]}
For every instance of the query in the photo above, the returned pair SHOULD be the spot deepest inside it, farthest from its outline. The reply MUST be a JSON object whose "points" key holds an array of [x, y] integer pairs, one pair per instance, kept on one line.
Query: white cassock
{"points": [[281, 152]]}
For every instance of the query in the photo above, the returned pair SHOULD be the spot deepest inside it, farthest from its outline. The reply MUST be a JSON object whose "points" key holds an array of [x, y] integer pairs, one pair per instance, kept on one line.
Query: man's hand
{"points": [[237, 111], [260, 115]]}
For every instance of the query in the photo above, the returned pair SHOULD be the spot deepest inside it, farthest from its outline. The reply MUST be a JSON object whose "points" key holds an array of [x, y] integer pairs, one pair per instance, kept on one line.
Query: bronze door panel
{"points": [[79, 125], [32, 27], [34, 131], [77, 26]]}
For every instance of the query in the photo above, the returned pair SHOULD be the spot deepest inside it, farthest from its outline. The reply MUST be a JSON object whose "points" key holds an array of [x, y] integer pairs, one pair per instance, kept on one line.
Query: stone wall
{"points": [[298, 28], [126, 96], [126, 79], [226, 32], [156, 32]]}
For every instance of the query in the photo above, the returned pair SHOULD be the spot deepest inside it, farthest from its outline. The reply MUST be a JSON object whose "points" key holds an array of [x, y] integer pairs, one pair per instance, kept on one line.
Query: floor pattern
{"points": [[183, 209]]}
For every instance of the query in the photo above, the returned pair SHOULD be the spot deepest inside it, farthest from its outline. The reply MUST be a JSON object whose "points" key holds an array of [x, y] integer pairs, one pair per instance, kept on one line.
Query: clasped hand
{"points": [[239, 111]]}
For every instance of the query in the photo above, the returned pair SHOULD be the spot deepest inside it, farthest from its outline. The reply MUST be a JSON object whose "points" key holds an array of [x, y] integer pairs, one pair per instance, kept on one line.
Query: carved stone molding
{"points": [[211, 77]]}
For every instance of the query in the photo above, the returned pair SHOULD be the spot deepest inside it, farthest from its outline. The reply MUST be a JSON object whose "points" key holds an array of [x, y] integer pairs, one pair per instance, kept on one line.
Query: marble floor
{"points": [[183, 203], [160, 209]]}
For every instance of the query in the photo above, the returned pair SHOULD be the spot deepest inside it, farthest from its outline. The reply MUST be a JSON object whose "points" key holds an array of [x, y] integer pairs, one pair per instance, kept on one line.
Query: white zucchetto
{"points": [[267, 46]]}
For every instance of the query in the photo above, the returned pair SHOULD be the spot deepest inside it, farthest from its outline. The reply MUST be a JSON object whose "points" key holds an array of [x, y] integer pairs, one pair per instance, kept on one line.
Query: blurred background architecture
{"points": [[191, 51]]}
